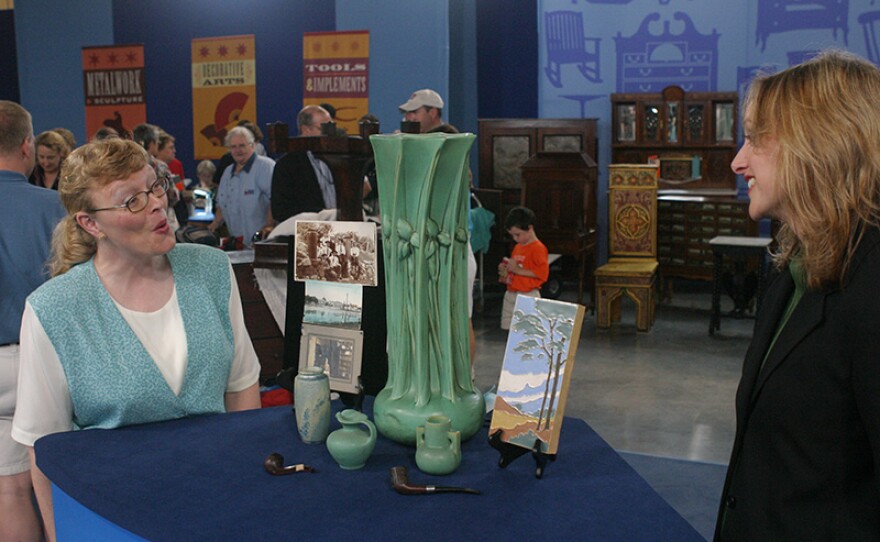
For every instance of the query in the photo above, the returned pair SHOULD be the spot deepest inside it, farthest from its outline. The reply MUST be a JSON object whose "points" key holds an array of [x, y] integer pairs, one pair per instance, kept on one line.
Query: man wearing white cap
{"points": [[426, 107]]}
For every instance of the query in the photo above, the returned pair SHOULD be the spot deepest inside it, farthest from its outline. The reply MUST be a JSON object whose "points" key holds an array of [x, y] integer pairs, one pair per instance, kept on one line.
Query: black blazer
{"points": [[806, 457], [295, 187]]}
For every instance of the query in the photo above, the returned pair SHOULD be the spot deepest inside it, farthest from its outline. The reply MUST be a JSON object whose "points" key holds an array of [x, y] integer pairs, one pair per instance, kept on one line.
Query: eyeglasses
{"points": [[238, 146], [138, 201]]}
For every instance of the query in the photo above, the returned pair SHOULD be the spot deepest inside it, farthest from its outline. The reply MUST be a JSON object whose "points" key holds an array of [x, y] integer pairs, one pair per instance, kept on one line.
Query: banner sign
{"points": [[336, 72], [224, 89], [113, 81]]}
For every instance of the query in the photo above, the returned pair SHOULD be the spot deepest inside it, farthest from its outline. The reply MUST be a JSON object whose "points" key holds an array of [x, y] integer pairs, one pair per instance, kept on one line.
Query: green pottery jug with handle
{"points": [[353, 444], [438, 450]]}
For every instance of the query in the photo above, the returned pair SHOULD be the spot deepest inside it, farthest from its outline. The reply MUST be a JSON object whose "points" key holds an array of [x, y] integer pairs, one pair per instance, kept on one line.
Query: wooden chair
{"points": [[632, 245], [566, 44]]}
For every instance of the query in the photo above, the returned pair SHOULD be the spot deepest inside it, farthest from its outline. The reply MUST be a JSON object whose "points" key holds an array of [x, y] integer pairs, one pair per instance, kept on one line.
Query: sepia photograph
{"points": [[338, 252]]}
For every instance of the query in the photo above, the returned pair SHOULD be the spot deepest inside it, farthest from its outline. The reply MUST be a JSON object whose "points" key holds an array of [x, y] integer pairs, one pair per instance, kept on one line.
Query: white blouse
{"points": [[44, 405]]}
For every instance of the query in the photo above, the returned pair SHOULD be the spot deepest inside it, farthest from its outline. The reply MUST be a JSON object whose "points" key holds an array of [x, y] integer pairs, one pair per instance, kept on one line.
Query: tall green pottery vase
{"points": [[423, 194]]}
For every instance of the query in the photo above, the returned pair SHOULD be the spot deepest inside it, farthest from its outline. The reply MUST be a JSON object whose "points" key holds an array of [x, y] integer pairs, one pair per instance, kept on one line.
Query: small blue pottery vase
{"points": [[311, 401]]}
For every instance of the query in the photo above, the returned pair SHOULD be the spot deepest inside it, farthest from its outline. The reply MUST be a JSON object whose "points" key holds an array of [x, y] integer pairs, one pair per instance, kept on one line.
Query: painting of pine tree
{"points": [[536, 372]]}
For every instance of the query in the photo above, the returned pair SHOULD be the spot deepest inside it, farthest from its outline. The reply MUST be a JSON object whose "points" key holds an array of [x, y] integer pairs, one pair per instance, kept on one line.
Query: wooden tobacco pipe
{"points": [[400, 483], [274, 464]]}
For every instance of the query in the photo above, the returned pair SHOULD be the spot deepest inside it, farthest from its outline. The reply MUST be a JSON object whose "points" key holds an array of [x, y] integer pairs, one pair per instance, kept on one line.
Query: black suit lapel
{"points": [[808, 314], [770, 311]]}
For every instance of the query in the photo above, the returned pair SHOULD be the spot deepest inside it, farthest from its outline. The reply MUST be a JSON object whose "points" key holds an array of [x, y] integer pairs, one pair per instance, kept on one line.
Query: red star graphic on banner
{"points": [[111, 58], [203, 52], [335, 46], [355, 46], [316, 47], [242, 49], [222, 50], [93, 60], [131, 57]]}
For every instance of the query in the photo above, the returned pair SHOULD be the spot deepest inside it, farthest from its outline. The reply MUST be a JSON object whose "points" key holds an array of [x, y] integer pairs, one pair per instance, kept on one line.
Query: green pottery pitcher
{"points": [[351, 445]]}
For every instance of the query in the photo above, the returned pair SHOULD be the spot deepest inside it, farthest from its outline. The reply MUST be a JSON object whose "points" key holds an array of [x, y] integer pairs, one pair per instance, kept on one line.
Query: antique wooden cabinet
{"points": [[560, 187], [506, 144], [504, 147], [263, 330], [686, 224], [693, 137]]}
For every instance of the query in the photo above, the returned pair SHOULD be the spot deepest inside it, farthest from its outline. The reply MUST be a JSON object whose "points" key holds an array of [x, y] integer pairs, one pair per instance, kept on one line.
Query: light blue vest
{"points": [[113, 381]]}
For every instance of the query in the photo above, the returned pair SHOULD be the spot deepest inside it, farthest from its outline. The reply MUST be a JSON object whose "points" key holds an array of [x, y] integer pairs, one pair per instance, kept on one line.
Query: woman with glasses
{"points": [[132, 328]]}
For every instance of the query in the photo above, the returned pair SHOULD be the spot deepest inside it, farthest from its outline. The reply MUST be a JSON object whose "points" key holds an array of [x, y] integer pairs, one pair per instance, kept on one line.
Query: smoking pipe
{"points": [[274, 464], [400, 483]]}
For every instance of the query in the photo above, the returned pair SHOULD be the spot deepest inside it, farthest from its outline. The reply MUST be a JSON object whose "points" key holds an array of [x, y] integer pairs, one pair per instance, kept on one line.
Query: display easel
{"points": [[510, 452]]}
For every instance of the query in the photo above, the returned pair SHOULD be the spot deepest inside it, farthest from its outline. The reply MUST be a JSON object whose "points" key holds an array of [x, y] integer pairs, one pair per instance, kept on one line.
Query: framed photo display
{"points": [[338, 351]]}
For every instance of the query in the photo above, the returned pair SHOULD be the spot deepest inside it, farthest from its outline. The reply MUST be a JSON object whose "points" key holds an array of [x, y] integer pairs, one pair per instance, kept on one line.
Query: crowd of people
{"points": [[101, 219], [94, 271]]}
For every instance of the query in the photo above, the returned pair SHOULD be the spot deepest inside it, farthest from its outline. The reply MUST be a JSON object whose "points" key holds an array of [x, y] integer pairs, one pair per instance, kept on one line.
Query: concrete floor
{"points": [[669, 392]]}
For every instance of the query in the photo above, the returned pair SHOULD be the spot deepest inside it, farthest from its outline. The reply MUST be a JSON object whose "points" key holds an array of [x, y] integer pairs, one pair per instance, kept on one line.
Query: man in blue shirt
{"points": [[28, 215], [245, 189]]}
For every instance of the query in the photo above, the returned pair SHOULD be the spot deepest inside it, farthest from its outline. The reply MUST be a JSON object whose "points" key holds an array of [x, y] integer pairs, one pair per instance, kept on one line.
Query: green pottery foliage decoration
{"points": [[423, 196]]}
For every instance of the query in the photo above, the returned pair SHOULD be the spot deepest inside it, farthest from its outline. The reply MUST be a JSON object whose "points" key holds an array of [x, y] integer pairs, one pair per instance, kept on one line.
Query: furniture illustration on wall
{"points": [[504, 146], [566, 44], [631, 270], [560, 187], [776, 16], [869, 21], [647, 62], [693, 135]]}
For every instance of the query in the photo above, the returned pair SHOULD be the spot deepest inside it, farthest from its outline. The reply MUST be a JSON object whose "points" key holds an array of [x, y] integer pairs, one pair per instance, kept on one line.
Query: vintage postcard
{"points": [[333, 304], [538, 360]]}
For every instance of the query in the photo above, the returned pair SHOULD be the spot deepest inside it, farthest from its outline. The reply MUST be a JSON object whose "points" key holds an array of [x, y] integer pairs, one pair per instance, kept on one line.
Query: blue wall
{"points": [[717, 45], [409, 50], [166, 28], [507, 59], [486, 57], [49, 38]]}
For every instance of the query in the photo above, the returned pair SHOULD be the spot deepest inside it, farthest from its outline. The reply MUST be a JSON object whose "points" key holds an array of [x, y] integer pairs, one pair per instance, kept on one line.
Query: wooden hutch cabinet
{"points": [[505, 145], [693, 136]]}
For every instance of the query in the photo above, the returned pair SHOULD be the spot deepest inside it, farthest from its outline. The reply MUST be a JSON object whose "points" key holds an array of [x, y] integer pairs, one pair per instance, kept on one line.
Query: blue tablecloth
{"points": [[203, 479]]}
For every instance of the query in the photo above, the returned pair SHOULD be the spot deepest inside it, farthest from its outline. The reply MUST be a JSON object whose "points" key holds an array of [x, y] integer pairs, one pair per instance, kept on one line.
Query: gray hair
{"points": [[241, 131], [206, 166], [306, 115]]}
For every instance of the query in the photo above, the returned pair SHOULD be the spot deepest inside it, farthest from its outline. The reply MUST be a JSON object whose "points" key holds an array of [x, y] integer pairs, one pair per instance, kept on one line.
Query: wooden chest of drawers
{"points": [[687, 223]]}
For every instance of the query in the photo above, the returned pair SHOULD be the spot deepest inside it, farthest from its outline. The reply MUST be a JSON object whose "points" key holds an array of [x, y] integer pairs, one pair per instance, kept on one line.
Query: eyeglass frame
{"points": [[164, 181]]}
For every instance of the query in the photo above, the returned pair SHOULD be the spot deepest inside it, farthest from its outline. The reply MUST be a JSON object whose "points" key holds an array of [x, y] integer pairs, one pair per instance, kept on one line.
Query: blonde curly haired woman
{"points": [[132, 328]]}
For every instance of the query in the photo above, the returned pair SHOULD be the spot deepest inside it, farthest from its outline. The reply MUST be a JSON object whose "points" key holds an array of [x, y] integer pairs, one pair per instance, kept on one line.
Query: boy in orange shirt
{"points": [[527, 268]]}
